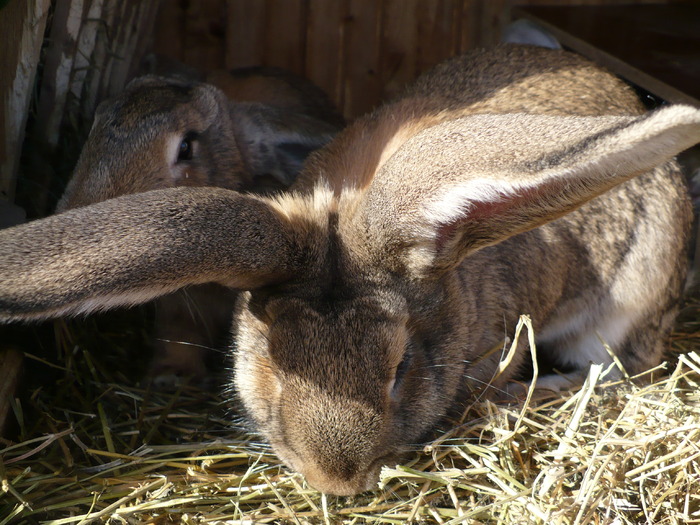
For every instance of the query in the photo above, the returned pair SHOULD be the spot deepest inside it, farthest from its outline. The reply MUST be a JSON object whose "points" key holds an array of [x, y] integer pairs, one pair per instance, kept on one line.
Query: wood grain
{"points": [[22, 25], [10, 374]]}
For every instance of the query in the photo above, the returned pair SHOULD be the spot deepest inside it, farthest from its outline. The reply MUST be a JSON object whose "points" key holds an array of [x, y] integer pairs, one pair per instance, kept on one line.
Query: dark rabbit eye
{"points": [[186, 150], [403, 367]]}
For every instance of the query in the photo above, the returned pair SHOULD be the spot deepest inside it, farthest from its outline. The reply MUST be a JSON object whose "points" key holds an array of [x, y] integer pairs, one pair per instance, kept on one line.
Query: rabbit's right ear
{"points": [[135, 248], [472, 182], [275, 141]]}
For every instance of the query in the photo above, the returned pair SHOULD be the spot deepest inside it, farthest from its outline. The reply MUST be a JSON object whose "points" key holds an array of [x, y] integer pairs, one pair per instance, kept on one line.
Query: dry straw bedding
{"points": [[94, 448]]}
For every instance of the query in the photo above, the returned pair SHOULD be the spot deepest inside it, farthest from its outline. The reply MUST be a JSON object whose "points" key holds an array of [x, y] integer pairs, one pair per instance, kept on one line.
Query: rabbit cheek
{"points": [[260, 390], [254, 377]]}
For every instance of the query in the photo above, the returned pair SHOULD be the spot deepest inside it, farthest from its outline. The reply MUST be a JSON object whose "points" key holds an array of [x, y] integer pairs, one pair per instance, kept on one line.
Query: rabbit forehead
{"points": [[323, 343], [149, 108]]}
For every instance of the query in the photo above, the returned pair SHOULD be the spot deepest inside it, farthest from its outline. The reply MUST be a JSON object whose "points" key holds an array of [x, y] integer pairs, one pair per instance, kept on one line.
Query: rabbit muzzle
{"points": [[336, 443]]}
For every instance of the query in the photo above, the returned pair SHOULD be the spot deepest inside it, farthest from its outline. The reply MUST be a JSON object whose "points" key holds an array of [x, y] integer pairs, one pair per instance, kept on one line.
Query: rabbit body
{"points": [[510, 181], [248, 129]]}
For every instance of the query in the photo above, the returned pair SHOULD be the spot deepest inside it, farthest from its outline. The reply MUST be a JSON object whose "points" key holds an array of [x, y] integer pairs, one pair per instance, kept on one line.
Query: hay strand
{"points": [[95, 448]]}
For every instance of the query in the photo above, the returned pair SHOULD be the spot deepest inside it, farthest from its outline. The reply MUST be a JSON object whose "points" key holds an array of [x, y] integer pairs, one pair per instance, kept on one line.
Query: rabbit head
{"points": [[253, 134], [373, 298], [165, 132]]}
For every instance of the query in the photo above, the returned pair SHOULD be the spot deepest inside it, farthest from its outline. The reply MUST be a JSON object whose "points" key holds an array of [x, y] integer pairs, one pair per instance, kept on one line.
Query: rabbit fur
{"points": [[514, 180], [248, 129]]}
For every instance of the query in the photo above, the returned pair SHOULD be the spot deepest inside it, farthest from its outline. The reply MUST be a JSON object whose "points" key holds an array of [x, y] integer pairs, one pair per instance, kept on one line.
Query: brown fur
{"points": [[496, 186]]}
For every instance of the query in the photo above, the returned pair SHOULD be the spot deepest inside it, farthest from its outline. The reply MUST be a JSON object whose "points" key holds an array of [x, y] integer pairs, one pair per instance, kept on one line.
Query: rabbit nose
{"points": [[340, 484]]}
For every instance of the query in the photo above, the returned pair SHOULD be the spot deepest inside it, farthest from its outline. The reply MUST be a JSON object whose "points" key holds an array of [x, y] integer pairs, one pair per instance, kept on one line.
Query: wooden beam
{"points": [[22, 25], [10, 372]]}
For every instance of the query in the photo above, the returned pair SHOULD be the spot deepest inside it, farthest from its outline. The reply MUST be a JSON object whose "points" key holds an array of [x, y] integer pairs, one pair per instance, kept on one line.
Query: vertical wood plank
{"points": [[204, 34], [144, 38], [168, 30], [470, 24], [86, 46], [324, 48], [118, 17], [11, 364], [95, 88], [435, 32], [362, 88], [125, 45], [397, 59], [285, 34], [63, 41], [496, 15], [23, 25], [52, 97], [245, 33], [73, 40], [133, 25]]}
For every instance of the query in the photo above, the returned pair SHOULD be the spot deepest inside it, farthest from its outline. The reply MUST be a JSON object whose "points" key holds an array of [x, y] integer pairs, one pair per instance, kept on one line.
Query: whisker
{"points": [[187, 343]]}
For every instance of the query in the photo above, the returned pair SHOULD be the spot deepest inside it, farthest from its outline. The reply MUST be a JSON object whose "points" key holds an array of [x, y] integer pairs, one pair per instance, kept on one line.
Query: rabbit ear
{"points": [[472, 182], [134, 248], [276, 141]]}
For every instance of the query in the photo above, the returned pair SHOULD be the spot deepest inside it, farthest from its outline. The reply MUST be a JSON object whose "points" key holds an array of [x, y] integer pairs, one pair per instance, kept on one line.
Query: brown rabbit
{"points": [[252, 134], [508, 181]]}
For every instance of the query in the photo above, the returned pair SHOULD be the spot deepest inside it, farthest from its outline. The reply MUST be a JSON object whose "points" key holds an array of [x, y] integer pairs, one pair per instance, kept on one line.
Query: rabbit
{"points": [[507, 181], [252, 134]]}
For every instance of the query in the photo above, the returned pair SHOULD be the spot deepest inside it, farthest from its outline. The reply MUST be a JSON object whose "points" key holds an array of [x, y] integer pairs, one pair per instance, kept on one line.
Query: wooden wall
{"points": [[358, 51], [22, 26], [89, 50]]}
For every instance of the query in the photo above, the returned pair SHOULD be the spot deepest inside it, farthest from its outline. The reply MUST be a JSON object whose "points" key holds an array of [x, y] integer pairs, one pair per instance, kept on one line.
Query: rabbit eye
{"points": [[186, 149], [403, 367], [394, 385], [401, 370]]}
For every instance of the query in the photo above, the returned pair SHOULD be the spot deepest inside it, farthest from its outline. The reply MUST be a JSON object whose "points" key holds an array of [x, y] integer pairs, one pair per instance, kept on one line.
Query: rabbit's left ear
{"points": [[472, 182], [135, 248], [275, 141]]}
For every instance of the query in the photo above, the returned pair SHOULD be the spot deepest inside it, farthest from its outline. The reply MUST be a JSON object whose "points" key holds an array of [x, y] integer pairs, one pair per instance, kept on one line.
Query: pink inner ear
{"points": [[484, 223]]}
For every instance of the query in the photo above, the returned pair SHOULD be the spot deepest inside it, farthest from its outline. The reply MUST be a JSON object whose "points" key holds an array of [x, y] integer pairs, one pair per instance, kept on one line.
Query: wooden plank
{"points": [[131, 25], [144, 39], [116, 14], [22, 25], [10, 373], [362, 88], [470, 16], [285, 34], [245, 33], [86, 46], [60, 55], [325, 47], [52, 97], [397, 58], [435, 32], [125, 49], [203, 35], [494, 19], [168, 30], [93, 92]]}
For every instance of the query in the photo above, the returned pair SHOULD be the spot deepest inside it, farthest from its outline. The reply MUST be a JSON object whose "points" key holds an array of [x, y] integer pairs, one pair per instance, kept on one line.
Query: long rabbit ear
{"points": [[137, 247], [276, 141], [472, 182]]}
